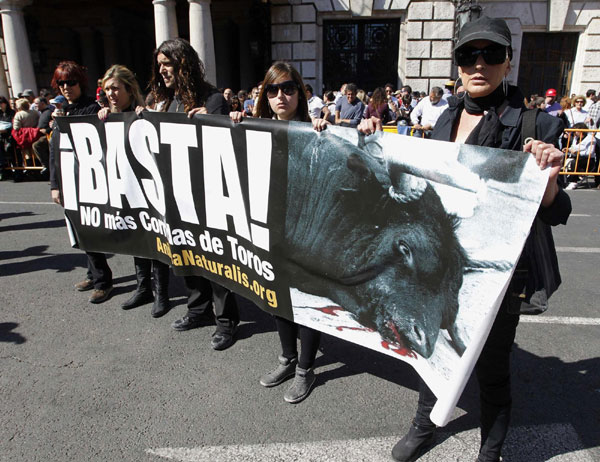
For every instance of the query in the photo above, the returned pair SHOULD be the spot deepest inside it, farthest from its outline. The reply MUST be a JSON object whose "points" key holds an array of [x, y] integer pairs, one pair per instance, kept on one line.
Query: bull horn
{"points": [[405, 188]]}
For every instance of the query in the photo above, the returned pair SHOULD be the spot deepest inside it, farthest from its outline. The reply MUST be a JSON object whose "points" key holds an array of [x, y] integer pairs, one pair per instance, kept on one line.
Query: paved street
{"points": [[83, 382]]}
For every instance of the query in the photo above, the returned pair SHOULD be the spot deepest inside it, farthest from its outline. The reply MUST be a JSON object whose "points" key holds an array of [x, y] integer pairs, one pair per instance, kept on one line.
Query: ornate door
{"points": [[362, 52]]}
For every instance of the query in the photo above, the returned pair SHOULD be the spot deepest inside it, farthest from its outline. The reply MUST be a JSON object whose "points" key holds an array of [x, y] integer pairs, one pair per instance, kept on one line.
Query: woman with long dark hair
{"points": [[123, 94], [70, 79], [490, 113], [283, 97]]}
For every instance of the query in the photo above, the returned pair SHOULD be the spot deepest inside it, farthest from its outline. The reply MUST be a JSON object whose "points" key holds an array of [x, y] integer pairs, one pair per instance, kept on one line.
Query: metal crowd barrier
{"points": [[578, 161]]}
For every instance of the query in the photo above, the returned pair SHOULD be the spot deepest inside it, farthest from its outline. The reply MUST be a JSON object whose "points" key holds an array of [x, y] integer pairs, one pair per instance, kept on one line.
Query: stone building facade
{"points": [[556, 42]]}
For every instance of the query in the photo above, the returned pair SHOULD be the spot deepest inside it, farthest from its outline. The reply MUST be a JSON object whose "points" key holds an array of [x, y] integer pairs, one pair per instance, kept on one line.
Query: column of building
{"points": [[16, 43]]}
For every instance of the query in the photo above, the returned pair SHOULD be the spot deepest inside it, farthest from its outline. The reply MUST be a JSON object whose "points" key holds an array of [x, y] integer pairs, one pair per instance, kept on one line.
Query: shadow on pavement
{"points": [[34, 225], [10, 337], [61, 263]]}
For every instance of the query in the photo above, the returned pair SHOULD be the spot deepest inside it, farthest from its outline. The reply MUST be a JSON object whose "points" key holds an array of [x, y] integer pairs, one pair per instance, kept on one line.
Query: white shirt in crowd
{"points": [[428, 112], [315, 104], [574, 116]]}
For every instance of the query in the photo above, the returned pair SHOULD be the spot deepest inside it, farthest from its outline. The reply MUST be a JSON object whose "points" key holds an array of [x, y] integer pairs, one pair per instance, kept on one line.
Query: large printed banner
{"points": [[399, 244]]}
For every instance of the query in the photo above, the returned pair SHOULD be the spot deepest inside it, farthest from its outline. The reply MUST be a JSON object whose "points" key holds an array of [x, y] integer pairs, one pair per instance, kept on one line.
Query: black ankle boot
{"points": [[139, 298], [414, 444]]}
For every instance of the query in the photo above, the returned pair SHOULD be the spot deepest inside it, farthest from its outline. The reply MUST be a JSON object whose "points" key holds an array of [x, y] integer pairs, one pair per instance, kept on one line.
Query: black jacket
{"points": [[85, 105], [539, 255]]}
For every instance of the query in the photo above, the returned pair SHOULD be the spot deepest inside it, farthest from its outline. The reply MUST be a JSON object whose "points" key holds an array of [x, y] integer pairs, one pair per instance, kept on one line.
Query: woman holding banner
{"points": [[283, 97], [491, 113], [124, 94], [70, 79]]}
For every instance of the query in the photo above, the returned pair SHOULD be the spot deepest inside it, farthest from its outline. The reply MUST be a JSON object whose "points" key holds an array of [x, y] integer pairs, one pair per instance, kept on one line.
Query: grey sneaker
{"points": [[300, 387], [285, 369]]}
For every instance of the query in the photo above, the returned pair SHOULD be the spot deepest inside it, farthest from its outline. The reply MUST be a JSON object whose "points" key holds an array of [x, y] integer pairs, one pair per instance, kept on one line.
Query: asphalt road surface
{"points": [[83, 382]]}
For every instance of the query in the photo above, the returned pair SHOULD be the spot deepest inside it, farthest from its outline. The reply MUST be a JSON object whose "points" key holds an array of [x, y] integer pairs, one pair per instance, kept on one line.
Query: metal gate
{"points": [[362, 52]]}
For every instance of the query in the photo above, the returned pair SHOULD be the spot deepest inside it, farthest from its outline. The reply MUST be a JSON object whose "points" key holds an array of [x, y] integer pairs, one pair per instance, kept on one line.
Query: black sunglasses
{"points": [[68, 83], [289, 87], [492, 54]]}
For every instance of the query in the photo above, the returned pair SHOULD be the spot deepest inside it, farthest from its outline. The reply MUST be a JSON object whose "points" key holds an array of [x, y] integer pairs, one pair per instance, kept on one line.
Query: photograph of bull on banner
{"points": [[399, 244]]}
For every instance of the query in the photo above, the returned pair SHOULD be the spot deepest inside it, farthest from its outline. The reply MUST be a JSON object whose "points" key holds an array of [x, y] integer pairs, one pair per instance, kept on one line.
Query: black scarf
{"points": [[488, 131]]}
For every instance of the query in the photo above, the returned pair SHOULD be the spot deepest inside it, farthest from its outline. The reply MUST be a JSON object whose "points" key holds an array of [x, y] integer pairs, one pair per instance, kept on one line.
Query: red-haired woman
{"points": [[70, 79]]}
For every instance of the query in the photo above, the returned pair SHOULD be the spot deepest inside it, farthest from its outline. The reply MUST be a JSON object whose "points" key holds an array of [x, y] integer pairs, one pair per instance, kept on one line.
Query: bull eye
{"points": [[404, 250]]}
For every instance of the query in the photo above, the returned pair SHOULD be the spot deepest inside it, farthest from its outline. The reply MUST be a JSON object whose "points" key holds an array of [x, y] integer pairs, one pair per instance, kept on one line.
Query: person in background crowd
{"points": [[242, 96], [124, 95], [582, 153], [283, 97], [29, 95], [178, 85], [340, 94], [315, 104], [235, 104], [539, 103], [41, 147], [552, 107], [389, 93], [576, 114], [594, 115], [378, 106], [591, 99], [25, 116], [425, 115], [490, 115], [70, 79], [350, 109], [58, 102], [251, 102], [448, 89], [329, 108], [362, 96], [228, 94], [6, 142]]}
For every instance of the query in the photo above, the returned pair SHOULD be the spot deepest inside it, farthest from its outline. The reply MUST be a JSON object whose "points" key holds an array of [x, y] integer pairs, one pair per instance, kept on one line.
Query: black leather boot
{"points": [[161, 288], [414, 444], [140, 297]]}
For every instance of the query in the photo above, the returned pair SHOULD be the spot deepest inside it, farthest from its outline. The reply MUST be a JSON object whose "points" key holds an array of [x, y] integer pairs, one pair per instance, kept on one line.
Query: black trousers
{"points": [[203, 293], [145, 268], [493, 374], [98, 270], [309, 341]]}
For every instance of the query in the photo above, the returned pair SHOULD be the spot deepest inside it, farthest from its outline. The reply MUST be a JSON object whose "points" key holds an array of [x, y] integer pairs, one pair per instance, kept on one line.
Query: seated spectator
{"points": [[25, 117], [389, 93], [349, 110], [581, 156], [362, 96], [6, 146], [425, 115], [591, 99], [594, 115], [250, 102], [315, 104], [41, 147]]}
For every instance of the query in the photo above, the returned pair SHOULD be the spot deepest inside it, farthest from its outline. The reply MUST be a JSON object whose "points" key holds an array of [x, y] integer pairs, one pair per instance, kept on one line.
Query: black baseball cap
{"points": [[485, 28]]}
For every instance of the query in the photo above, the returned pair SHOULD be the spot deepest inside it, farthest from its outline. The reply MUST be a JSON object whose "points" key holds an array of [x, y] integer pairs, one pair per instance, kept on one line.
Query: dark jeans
{"points": [[202, 294], [98, 270], [145, 268], [309, 341], [493, 374]]}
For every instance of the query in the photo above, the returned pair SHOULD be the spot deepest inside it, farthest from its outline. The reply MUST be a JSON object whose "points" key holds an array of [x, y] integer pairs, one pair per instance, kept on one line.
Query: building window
{"points": [[547, 62], [362, 52]]}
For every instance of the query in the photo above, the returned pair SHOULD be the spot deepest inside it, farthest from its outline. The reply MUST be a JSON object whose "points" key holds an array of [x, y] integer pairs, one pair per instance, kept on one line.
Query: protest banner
{"points": [[402, 245]]}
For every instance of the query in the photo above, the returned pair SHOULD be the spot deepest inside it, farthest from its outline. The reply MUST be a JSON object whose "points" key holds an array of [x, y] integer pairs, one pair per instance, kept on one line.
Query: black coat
{"points": [[539, 255]]}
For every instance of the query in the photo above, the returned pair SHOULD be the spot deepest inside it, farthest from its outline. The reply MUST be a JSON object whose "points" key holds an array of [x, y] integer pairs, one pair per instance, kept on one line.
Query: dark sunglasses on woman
{"points": [[68, 83], [289, 87], [492, 55]]}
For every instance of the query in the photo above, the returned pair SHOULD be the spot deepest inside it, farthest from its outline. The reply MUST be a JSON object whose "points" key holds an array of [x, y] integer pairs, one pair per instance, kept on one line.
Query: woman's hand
{"points": [[197, 110], [547, 155], [369, 126], [320, 124], [55, 193], [103, 113], [236, 116]]}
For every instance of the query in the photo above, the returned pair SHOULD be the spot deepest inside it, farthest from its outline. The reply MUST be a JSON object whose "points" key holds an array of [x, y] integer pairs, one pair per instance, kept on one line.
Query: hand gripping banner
{"points": [[402, 245]]}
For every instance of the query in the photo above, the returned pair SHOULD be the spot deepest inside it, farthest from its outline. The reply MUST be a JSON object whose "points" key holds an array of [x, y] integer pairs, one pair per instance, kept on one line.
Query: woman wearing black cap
{"points": [[490, 113]]}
